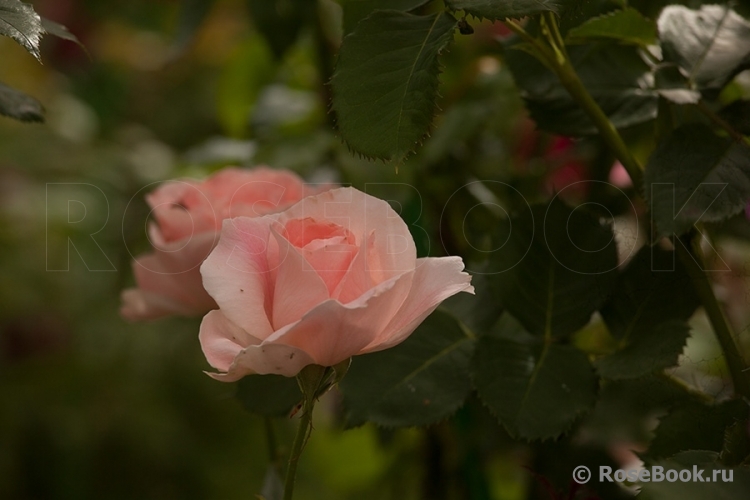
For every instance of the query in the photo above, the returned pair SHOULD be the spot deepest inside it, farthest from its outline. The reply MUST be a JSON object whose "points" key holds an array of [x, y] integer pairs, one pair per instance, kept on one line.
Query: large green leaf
{"points": [[712, 487], [624, 26], [19, 21], [423, 380], [16, 104], [555, 268], [478, 311], [268, 395], [711, 44], [386, 79], [695, 426], [616, 77], [505, 9], [280, 21], [356, 10], [647, 315], [536, 390], [696, 175]]}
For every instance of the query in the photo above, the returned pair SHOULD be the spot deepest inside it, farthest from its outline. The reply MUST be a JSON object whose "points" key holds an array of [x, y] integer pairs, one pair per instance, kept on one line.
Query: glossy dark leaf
{"points": [[647, 315], [536, 389], [711, 44], [356, 10], [623, 26], [615, 76], [696, 175], [695, 426], [556, 267], [505, 9], [16, 104], [269, 395], [19, 21], [423, 380], [386, 79]]}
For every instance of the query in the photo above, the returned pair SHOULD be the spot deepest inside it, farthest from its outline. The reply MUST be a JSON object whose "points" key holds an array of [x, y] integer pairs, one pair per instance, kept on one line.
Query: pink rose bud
{"points": [[334, 276], [188, 217]]}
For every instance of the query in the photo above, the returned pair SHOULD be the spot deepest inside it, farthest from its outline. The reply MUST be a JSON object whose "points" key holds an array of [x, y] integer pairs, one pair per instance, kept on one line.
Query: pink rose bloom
{"points": [[188, 217], [334, 276]]}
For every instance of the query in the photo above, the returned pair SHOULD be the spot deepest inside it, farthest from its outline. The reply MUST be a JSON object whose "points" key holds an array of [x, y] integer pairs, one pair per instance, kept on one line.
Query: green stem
{"points": [[720, 122], [691, 255], [303, 431]]}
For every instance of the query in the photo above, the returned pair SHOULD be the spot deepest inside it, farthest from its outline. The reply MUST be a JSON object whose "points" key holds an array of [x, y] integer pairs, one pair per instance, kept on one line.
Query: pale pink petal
{"points": [[236, 274], [298, 288], [333, 332], [394, 252], [140, 305], [266, 359], [222, 340], [357, 279], [435, 279]]}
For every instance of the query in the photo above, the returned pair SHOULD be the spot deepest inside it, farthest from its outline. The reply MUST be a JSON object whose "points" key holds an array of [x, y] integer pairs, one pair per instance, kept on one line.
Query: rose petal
{"points": [[394, 252], [298, 288], [236, 274], [140, 305], [332, 331], [222, 340], [435, 279], [357, 279]]}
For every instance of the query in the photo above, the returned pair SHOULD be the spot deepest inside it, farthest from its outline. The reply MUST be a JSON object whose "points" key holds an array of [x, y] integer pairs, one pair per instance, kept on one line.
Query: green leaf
{"points": [[624, 26], [478, 311], [420, 381], [711, 44], [386, 80], [536, 391], [19, 21], [616, 77], [695, 426], [696, 175], [713, 487], [16, 104], [192, 15], [280, 21], [647, 315], [269, 395], [674, 86], [356, 10], [556, 267], [507, 9]]}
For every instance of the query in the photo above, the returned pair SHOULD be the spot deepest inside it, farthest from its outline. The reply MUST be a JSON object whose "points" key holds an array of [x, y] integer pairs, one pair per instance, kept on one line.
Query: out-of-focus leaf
{"points": [[506, 9], [280, 21], [696, 175], [624, 26], [537, 390], [268, 395], [616, 76], [423, 380], [16, 104], [356, 10], [672, 85], [192, 15], [711, 44], [737, 114], [386, 80], [248, 70], [647, 315], [556, 267], [695, 426], [19, 21], [716, 484]]}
